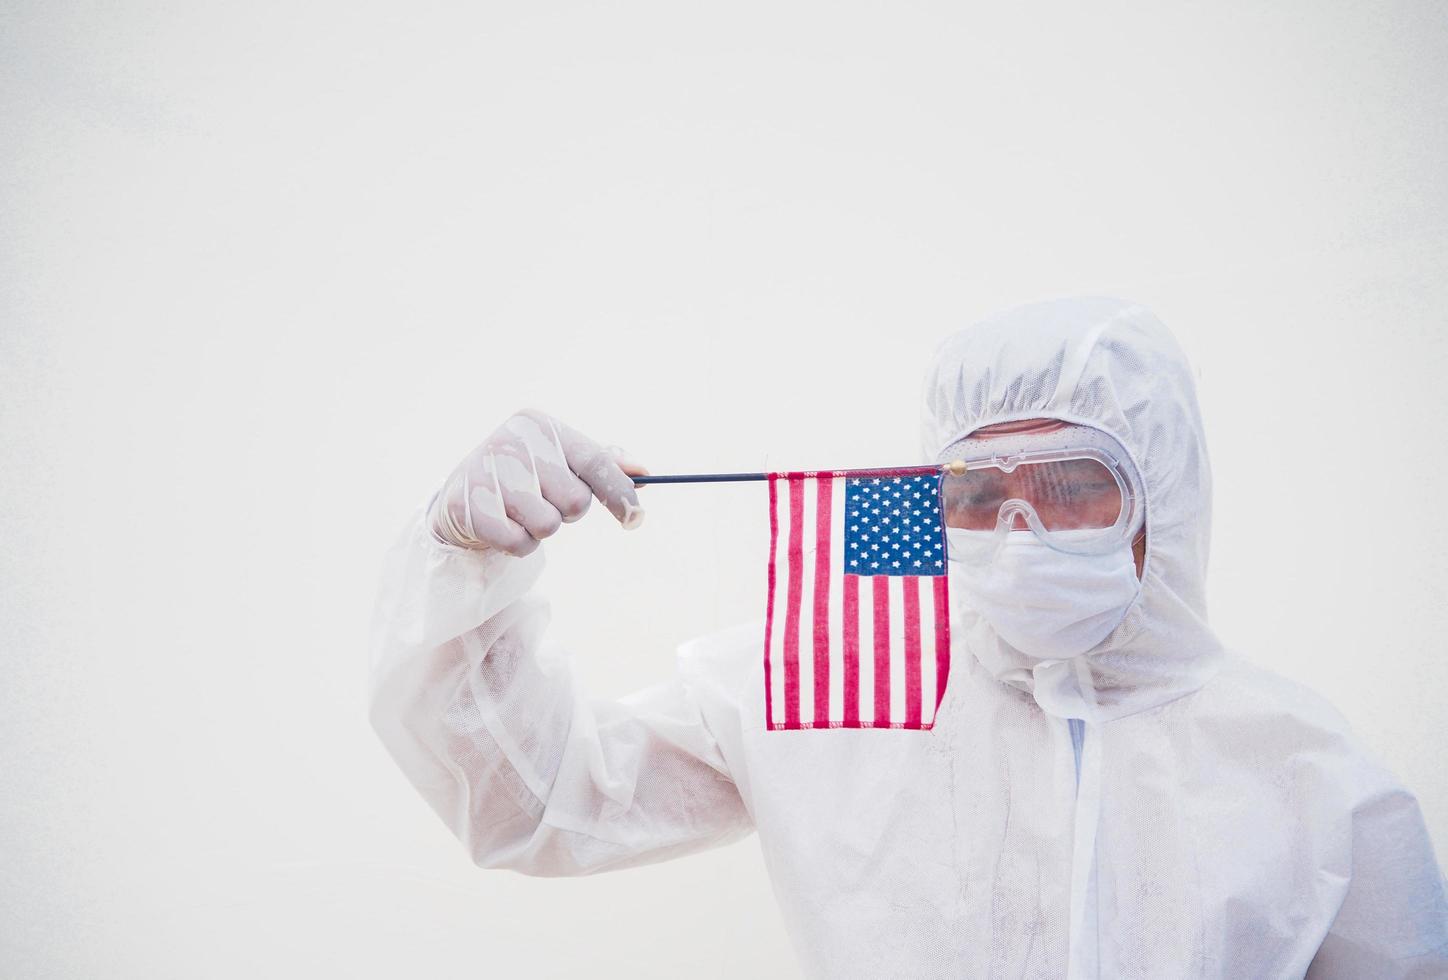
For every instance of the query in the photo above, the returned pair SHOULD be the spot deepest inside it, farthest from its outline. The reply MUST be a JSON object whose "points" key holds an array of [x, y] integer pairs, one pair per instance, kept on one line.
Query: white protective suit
{"points": [[1203, 818]]}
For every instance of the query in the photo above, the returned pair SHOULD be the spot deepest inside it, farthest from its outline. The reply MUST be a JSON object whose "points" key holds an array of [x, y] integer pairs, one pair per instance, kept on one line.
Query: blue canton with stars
{"points": [[892, 526]]}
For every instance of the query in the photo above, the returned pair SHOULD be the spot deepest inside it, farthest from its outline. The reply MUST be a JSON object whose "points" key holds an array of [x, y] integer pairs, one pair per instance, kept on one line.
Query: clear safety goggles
{"points": [[1076, 500]]}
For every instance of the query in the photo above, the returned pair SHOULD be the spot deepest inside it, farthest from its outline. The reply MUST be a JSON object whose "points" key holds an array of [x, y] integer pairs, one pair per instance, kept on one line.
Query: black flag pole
{"points": [[954, 467]]}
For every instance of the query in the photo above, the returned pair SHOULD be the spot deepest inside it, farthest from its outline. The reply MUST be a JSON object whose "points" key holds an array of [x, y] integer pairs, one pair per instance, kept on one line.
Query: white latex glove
{"points": [[527, 479]]}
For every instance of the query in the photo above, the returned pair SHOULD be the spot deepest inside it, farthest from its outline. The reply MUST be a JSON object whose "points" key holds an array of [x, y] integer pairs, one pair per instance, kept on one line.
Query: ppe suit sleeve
{"points": [[485, 719], [1393, 921]]}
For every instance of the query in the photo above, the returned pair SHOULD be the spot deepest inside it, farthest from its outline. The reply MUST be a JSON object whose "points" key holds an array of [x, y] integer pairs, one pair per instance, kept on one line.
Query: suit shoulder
{"points": [[1242, 687], [1255, 713]]}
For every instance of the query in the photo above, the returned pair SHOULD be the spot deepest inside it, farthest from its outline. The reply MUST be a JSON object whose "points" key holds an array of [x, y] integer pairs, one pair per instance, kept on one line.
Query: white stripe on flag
{"points": [[927, 649], [867, 652], [837, 600], [897, 648]]}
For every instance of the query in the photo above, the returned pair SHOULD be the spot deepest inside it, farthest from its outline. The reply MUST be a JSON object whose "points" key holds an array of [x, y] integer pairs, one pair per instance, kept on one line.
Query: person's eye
{"points": [[985, 491]]}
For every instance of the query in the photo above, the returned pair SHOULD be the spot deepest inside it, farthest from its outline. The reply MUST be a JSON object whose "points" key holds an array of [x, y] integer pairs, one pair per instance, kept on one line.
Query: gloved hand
{"points": [[531, 476]]}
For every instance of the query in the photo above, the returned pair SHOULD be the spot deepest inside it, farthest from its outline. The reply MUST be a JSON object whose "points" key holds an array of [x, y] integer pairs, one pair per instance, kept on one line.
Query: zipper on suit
{"points": [[1078, 738]]}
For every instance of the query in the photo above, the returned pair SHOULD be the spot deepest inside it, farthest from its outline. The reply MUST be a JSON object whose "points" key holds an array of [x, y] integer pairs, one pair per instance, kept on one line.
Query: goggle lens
{"points": [[1066, 494]]}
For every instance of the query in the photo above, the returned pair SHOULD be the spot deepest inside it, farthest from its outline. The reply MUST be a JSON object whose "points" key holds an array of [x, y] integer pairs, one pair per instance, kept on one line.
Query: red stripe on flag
{"points": [[851, 632], [792, 593], [823, 534], [942, 638], [881, 589], [911, 585], [769, 606]]}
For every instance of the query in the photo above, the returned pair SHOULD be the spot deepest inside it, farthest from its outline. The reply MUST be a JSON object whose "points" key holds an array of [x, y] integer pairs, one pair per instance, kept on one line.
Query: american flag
{"points": [[857, 631]]}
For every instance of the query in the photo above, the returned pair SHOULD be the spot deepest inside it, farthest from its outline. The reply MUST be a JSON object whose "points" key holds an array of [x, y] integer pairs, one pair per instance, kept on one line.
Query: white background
{"points": [[267, 270]]}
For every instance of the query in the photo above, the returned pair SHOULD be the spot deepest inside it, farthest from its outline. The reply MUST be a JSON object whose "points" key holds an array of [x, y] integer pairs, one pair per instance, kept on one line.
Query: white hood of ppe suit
{"points": [[1113, 366], [1206, 820]]}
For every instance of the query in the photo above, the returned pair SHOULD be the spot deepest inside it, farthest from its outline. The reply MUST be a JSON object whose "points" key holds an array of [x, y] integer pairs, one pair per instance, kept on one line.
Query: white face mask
{"points": [[1047, 604]]}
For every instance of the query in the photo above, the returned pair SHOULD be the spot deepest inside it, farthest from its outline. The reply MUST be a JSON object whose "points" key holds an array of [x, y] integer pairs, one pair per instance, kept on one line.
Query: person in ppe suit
{"points": [[1106, 791]]}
